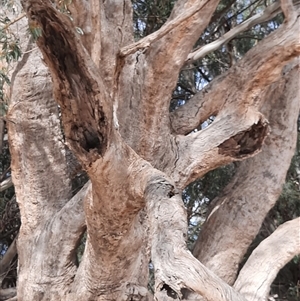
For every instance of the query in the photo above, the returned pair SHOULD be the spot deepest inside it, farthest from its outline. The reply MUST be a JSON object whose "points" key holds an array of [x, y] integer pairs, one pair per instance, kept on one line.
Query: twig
{"points": [[14, 21]]}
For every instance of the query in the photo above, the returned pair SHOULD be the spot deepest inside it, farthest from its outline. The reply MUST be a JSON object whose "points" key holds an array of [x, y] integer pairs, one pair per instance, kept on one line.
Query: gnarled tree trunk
{"points": [[114, 98]]}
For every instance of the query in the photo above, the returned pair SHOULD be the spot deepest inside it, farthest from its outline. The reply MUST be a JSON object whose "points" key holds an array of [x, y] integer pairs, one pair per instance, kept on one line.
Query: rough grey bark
{"points": [[114, 99]]}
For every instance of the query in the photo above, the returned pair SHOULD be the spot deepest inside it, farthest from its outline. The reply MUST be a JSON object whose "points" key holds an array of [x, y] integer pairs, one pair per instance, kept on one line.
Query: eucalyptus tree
{"points": [[113, 93]]}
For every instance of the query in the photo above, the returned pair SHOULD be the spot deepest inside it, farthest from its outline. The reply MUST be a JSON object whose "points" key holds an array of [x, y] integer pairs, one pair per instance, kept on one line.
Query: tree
{"points": [[114, 105]]}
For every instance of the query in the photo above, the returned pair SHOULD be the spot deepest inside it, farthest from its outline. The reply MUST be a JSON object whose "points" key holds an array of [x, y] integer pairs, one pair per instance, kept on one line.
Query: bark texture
{"points": [[114, 97], [238, 214]]}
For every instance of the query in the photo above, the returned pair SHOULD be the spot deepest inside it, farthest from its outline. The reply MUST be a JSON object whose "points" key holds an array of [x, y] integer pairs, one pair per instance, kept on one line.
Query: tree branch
{"points": [[289, 11], [7, 293], [156, 71], [21, 16], [5, 184], [267, 259], [269, 13], [259, 68], [241, 201], [7, 259], [232, 137], [71, 219], [164, 30], [174, 266]]}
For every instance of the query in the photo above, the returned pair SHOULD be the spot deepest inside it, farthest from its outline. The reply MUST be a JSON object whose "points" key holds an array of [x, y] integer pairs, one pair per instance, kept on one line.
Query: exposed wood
{"points": [[78, 87]]}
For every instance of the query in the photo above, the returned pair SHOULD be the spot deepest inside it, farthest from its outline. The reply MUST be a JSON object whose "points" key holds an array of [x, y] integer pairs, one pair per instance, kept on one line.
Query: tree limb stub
{"points": [[231, 137], [78, 88]]}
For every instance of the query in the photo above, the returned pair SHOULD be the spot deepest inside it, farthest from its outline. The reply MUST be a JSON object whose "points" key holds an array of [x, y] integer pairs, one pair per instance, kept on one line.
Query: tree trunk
{"points": [[114, 97]]}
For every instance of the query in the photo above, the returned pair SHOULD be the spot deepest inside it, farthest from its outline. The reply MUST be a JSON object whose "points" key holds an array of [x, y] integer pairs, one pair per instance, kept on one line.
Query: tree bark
{"points": [[238, 214], [114, 101], [267, 259], [40, 176]]}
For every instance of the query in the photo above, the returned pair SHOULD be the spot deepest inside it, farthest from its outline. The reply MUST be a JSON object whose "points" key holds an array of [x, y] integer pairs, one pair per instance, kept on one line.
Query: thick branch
{"points": [[78, 88], [146, 110], [289, 11], [259, 68], [175, 267], [117, 232], [71, 219], [165, 29], [241, 201], [234, 136], [267, 259]]}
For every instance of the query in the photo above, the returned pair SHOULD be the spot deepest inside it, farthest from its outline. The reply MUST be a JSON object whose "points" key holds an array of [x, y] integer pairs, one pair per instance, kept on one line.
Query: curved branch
{"points": [[71, 218], [234, 136], [239, 211], [267, 259], [259, 68]]}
